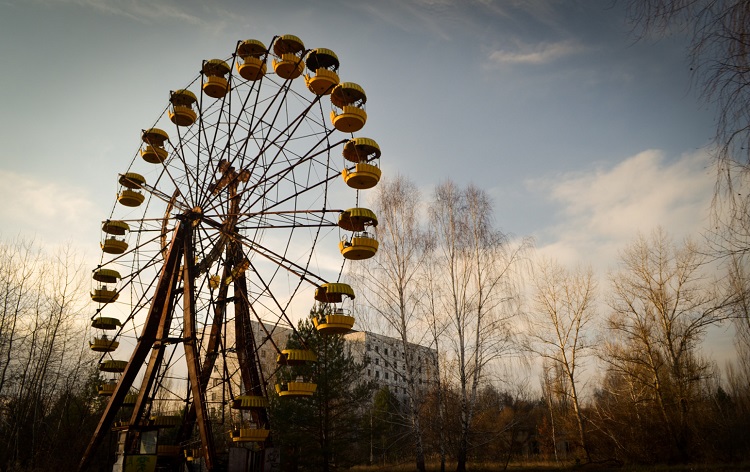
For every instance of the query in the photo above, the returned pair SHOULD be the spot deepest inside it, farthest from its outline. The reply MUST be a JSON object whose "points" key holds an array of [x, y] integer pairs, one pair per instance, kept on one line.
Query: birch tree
{"points": [[479, 278], [393, 293], [563, 312], [661, 308]]}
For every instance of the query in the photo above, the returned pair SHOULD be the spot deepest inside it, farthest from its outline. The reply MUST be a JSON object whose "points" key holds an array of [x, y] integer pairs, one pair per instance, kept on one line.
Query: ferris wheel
{"points": [[220, 236]]}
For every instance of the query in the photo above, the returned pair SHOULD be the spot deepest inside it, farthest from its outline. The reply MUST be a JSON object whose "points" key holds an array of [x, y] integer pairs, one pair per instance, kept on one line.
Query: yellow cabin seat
{"points": [[251, 68], [288, 63], [350, 99], [361, 246], [323, 65], [334, 324], [350, 120], [182, 113], [154, 151], [296, 357], [104, 295], [130, 198], [253, 65], [249, 402], [356, 219], [216, 85], [107, 389], [103, 345], [289, 66], [296, 389], [154, 155], [322, 82], [113, 245], [362, 177]]}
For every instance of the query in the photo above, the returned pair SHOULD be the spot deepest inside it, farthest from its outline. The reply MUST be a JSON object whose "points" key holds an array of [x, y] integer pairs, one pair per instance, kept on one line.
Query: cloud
{"points": [[143, 11], [601, 211], [53, 212], [541, 53]]}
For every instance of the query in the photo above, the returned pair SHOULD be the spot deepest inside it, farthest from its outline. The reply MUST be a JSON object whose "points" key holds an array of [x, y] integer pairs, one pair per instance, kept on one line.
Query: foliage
{"points": [[323, 431]]}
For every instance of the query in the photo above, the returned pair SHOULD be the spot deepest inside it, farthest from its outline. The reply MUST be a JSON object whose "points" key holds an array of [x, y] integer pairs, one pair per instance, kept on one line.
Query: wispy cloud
{"points": [[540, 53], [139, 10], [51, 211], [602, 210]]}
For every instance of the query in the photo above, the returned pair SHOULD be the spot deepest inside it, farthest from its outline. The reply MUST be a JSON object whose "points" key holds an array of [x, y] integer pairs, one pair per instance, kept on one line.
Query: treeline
{"points": [[534, 361], [623, 377], [48, 378]]}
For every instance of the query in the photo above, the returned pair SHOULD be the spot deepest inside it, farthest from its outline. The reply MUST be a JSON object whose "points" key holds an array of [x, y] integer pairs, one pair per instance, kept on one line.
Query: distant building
{"points": [[385, 358], [386, 361]]}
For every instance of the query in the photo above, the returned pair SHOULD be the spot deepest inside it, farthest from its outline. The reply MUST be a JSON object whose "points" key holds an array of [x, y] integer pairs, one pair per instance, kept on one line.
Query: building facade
{"points": [[386, 361]]}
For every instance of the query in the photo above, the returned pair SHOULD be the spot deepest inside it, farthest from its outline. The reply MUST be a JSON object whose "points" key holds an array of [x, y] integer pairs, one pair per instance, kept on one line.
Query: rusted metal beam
{"points": [[211, 353], [161, 299], [192, 355]]}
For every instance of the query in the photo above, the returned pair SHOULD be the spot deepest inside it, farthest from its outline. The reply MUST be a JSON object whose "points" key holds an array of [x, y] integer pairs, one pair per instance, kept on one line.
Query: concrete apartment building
{"points": [[384, 355], [386, 361]]}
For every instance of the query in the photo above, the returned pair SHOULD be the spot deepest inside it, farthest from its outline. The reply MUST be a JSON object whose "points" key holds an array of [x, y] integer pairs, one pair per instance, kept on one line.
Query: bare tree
{"points": [[563, 311], [719, 52], [661, 307], [478, 274], [393, 293], [42, 338]]}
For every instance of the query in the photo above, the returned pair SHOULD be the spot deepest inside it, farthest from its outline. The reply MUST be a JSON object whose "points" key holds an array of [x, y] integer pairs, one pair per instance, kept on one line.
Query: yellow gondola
{"points": [[363, 152], [216, 84], [182, 113], [154, 151], [296, 357], [296, 389], [253, 65], [288, 49], [335, 323], [129, 196], [350, 98], [362, 245], [103, 344], [323, 64], [107, 389]]}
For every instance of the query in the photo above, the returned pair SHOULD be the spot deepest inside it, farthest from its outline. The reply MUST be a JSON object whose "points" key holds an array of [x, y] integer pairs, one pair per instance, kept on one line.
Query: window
{"points": [[386, 376], [369, 373], [377, 361], [368, 346], [376, 348], [386, 351], [377, 374]]}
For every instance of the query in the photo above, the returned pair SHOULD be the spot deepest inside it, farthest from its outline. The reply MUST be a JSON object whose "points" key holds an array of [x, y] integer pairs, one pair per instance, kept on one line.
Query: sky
{"points": [[582, 135]]}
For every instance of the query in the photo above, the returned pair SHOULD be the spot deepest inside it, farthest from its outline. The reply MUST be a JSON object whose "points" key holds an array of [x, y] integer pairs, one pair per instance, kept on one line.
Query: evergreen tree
{"points": [[323, 431]]}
